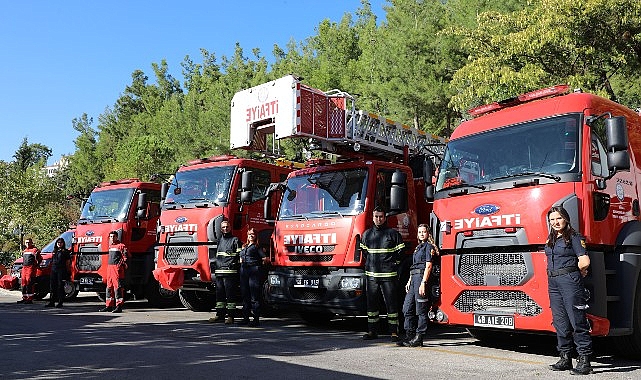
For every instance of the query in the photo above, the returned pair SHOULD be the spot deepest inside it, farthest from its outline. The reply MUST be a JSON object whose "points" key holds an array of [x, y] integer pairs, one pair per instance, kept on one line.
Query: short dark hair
{"points": [[379, 209]]}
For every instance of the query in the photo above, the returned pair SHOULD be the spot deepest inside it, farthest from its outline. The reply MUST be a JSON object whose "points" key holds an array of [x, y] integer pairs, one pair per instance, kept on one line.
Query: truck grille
{"points": [[88, 262], [181, 255], [311, 271], [311, 258], [308, 294], [507, 301], [493, 269]]}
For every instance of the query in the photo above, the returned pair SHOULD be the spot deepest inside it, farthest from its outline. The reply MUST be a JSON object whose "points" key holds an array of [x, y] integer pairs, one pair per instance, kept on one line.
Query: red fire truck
{"points": [[317, 266], [132, 208], [501, 173], [197, 199]]}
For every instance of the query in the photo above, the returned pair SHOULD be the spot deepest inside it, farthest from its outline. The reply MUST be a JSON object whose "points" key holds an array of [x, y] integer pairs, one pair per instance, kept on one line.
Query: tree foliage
{"points": [[592, 44]]}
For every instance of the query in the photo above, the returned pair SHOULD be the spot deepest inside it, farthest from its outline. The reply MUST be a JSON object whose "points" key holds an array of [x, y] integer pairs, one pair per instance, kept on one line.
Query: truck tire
{"points": [[629, 346], [196, 300], [159, 297], [70, 291]]}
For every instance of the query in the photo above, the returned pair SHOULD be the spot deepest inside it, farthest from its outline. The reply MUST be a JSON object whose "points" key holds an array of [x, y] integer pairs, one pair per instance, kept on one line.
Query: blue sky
{"points": [[61, 59]]}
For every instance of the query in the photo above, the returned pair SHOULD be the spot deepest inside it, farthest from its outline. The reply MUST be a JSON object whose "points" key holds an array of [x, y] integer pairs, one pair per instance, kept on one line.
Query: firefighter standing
{"points": [[117, 263], [417, 303], [567, 264], [382, 247], [252, 257], [60, 262], [31, 258], [227, 264]]}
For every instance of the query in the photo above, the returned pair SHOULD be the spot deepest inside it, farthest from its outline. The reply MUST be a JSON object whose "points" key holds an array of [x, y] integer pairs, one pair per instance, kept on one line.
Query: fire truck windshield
{"points": [[107, 204], [209, 185], [544, 147], [325, 194]]}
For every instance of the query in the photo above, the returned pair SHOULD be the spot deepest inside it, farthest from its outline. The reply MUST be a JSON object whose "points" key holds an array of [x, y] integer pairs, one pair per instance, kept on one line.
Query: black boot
{"points": [[417, 341], [408, 336], [564, 363], [583, 366]]}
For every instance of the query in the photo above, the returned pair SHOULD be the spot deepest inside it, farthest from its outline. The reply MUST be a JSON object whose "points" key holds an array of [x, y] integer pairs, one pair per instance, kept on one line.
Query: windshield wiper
{"points": [[327, 212], [297, 216], [524, 174], [460, 185], [203, 200]]}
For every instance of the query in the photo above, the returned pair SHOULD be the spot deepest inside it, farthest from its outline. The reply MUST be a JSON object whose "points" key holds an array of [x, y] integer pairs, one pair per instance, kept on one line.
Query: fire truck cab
{"points": [[317, 267], [501, 172]]}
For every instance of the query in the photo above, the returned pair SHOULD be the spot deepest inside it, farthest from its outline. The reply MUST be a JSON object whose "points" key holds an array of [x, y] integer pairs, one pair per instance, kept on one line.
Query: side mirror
{"points": [[428, 173], [246, 184], [616, 136], [267, 211], [164, 188], [398, 192], [141, 209]]}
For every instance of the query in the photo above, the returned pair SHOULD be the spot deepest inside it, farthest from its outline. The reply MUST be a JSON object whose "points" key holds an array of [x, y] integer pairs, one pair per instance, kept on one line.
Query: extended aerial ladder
{"points": [[286, 108]]}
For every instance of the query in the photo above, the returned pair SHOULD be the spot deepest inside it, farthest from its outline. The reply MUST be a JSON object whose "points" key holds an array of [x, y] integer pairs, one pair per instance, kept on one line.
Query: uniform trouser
{"points": [[415, 307], [226, 288], [389, 287], [568, 303], [115, 286], [27, 280], [57, 286], [250, 288]]}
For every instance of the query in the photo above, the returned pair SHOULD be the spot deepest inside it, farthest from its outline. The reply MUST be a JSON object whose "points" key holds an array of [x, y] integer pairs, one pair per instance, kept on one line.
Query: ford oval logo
{"points": [[487, 209], [89, 233], [181, 219]]}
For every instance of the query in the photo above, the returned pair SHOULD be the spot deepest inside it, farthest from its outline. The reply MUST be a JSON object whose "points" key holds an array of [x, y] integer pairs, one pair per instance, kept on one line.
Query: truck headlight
{"points": [[274, 280], [350, 283]]}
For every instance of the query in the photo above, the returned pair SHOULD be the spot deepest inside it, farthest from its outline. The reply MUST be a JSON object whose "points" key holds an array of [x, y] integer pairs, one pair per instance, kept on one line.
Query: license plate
{"points": [[494, 320], [307, 283], [86, 280]]}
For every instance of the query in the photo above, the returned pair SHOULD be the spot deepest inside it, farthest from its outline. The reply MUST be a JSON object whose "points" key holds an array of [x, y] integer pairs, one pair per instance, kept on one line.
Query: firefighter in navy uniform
{"points": [[117, 264], [226, 271], [417, 302], [31, 258], [382, 247], [60, 264], [567, 264], [252, 257]]}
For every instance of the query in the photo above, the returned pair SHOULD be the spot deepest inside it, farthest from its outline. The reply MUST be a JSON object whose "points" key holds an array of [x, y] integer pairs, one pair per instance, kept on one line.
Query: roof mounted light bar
{"points": [[523, 98]]}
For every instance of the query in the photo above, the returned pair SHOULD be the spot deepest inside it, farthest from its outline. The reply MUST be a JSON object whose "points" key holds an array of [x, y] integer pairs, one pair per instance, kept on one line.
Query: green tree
{"points": [[28, 155], [593, 44], [84, 170]]}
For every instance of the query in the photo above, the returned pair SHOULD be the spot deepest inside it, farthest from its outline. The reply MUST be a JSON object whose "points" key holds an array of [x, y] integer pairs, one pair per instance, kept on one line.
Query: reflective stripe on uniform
{"points": [[372, 316], [231, 306], [226, 271], [220, 305], [383, 250], [381, 275], [226, 254]]}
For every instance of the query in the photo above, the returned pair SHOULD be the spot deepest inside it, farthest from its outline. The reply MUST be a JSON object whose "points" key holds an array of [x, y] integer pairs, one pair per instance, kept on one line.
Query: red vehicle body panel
{"points": [[515, 211], [188, 232], [138, 234]]}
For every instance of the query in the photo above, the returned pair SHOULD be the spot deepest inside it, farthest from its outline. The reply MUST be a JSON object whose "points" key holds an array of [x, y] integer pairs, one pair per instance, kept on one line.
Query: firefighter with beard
{"points": [[31, 258], [382, 247], [117, 264], [227, 277]]}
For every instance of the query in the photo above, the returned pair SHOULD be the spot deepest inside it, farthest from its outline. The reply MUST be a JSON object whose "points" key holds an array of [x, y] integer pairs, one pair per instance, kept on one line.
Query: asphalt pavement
{"points": [[77, 341]]}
